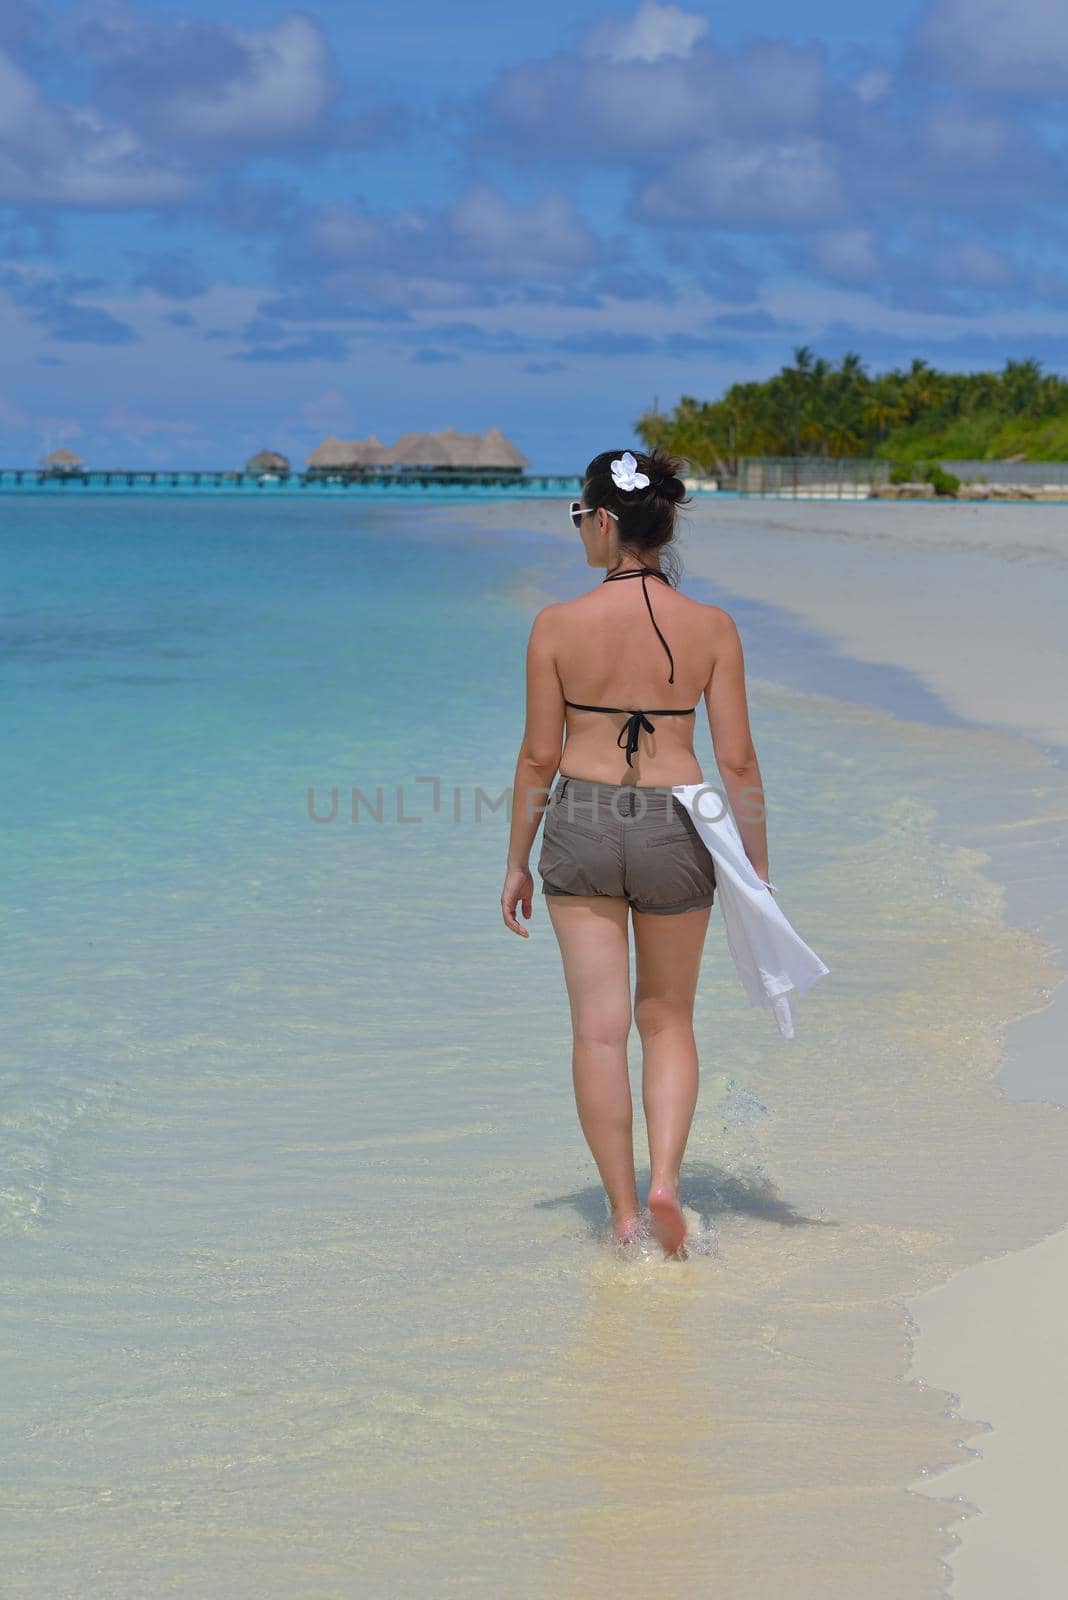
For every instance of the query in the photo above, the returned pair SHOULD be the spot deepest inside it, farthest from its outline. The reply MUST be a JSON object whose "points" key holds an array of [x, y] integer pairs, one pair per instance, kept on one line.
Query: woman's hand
{"points": [[518, 889]]}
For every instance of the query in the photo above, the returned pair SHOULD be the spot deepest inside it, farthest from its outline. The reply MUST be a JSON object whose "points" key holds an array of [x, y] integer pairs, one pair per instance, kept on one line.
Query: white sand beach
{"points": [[972, 599]]}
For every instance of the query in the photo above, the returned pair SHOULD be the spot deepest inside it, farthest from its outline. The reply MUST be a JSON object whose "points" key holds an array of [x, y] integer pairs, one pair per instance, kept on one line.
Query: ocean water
{"points": [[306, 1279]]}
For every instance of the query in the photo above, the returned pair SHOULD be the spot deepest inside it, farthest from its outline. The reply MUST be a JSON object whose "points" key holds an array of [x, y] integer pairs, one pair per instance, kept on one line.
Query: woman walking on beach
{"points": [[620, 671]]}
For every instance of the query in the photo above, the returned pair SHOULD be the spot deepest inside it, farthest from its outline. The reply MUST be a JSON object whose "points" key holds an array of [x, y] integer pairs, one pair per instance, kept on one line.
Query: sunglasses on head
{"points": [[578, 511]]}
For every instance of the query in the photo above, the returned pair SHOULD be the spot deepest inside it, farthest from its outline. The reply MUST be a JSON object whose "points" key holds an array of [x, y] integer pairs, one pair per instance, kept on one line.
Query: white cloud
{"points": [[344, 257], [845, 255], [635, 113], [51, 153], [283, 88], [545, 239], [749, 184], [953, 133], [1006, 46], [653, 32], [873, 85], [195, 83], [973, 264]]}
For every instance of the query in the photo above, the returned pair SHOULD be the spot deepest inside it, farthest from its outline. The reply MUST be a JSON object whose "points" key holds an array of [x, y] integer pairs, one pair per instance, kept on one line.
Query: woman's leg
{"points": [[669, 952], [594, 948]]}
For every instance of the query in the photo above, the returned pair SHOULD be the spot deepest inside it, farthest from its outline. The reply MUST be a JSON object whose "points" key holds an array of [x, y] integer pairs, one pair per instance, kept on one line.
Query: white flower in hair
{"points": [[625, 475]]}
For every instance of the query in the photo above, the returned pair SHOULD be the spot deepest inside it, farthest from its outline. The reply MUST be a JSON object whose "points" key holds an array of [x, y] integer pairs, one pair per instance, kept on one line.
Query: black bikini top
{"points": [[636, 720]]}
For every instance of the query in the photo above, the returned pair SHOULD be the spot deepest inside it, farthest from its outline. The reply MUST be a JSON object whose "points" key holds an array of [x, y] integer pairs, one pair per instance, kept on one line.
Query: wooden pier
{"points": [[198, 478]]}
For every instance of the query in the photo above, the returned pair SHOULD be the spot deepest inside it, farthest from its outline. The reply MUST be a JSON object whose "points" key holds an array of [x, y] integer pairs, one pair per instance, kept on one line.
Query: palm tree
{"points": [[923, 388], [1021, 386], [852, 368], [882, 408], [814, 406], [797, 385]]}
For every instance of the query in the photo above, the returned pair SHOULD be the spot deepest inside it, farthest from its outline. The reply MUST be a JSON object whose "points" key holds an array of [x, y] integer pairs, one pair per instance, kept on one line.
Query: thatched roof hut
{"points": [[333, 455], [63, 461], [461, 448], [497, 451], [436, 452], [347, 455], [266, 461], [450, 448], [370, 452], [419, 450]]}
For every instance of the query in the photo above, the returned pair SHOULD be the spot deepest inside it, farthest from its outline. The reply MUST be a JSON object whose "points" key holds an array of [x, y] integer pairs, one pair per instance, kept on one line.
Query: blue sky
{"points": [[227, 226]]}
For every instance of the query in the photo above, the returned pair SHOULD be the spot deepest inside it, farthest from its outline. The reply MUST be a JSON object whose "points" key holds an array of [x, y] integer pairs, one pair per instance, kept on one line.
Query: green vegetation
{"points": [[926, 472], [944, 482], [815, 408]]}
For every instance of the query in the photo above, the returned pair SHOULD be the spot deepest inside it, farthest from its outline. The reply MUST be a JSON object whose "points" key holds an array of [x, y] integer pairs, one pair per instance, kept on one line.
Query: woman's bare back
{"points": [[608, 653]]}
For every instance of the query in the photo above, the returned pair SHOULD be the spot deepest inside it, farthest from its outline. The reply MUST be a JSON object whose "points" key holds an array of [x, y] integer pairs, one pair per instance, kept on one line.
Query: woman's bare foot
{"points": [[669, 1224], [628, 1229]]}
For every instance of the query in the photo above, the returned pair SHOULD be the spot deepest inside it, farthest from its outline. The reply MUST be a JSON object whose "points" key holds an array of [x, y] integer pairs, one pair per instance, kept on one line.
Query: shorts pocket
{"points": [[585, 829], [579, 860], [557, 818], [676, 838]]}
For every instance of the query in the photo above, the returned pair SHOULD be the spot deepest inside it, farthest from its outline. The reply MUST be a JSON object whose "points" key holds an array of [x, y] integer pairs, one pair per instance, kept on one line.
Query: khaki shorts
{"points": [[633, 843]]}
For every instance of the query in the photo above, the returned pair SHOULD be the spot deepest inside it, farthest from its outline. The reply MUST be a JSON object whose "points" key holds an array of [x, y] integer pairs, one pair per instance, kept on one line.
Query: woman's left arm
{"points": [[536, 767]]}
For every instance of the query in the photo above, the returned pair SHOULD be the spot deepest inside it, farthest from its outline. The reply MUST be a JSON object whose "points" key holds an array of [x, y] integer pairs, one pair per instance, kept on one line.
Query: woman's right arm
{"points": [[732, 742]]}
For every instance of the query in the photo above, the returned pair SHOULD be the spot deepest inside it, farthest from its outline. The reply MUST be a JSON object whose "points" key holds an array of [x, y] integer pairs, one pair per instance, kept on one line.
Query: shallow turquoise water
{"points": [[304, 1279]]}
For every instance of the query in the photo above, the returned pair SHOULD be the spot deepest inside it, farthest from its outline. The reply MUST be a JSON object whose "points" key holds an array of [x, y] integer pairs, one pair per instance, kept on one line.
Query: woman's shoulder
{"points": [[559, 610], [714, 616]]}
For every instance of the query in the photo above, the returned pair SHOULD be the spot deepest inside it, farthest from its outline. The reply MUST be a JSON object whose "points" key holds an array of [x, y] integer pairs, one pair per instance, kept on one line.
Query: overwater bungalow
{"points": [[344, 456], [369, 452], [61, 462], [268, 464], [427, 450], [500, 453], [443, 452]]}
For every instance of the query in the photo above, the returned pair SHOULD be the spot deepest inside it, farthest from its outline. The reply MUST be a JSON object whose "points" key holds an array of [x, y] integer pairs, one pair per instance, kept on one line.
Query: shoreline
{"points": [[964, 598]]}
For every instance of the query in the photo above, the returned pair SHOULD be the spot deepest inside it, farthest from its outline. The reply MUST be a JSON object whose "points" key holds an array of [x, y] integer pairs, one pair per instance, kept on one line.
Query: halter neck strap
{"points": [[643, 573]]}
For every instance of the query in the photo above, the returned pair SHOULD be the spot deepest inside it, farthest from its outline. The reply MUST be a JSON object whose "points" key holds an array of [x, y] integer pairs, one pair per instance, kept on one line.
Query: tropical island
{"points": [[815, 429], [817, 408]]}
